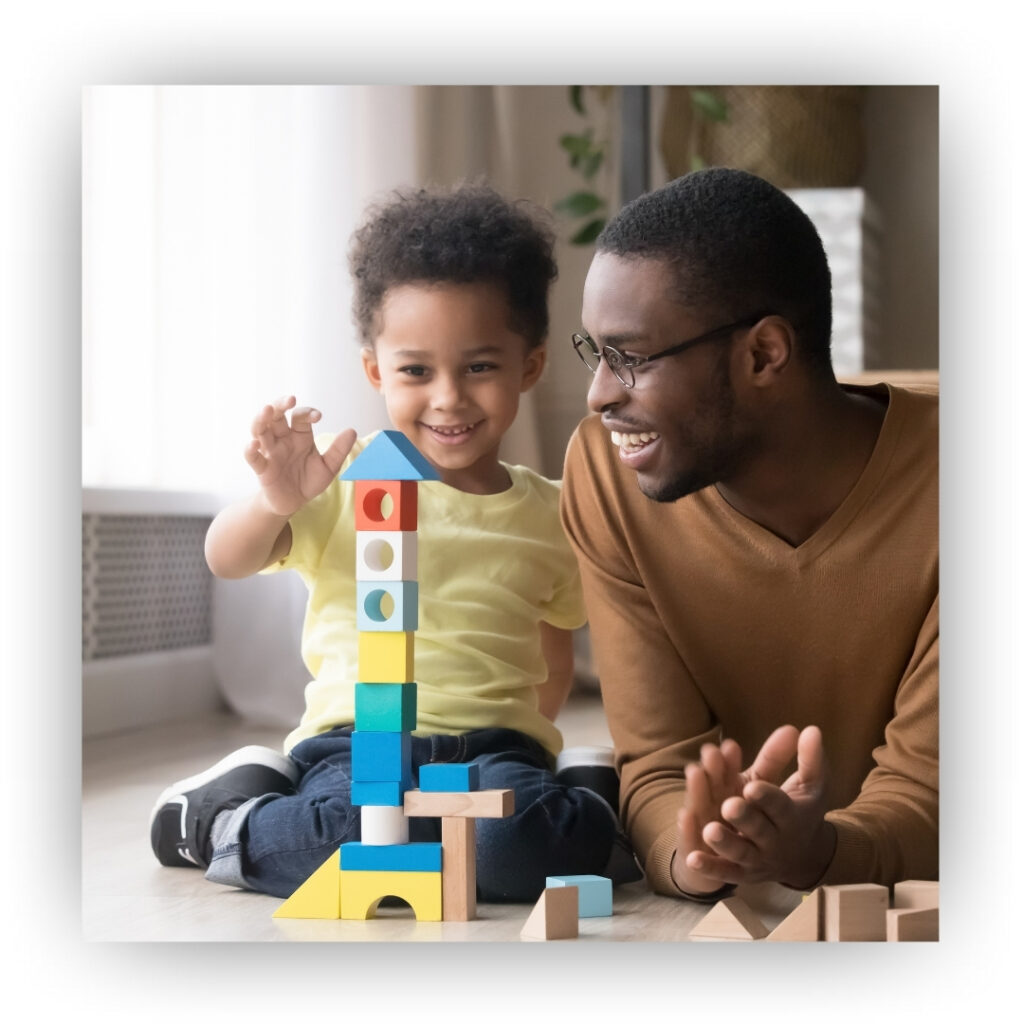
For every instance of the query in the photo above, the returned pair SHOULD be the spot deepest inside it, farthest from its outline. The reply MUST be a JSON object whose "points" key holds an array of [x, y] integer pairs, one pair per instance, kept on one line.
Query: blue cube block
{"points": [[385, 707], [378, 794], [382, 757], [595, 892], [403, 857], [449, 778]]}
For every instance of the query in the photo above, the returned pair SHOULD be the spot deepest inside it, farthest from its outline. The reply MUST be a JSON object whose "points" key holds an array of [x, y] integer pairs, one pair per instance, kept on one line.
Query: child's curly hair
{"points": [[463, 235]]}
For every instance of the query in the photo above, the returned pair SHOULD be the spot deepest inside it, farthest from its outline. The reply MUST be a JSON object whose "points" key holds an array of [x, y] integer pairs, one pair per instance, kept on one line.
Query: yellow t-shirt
{"points": [[490, 569]]}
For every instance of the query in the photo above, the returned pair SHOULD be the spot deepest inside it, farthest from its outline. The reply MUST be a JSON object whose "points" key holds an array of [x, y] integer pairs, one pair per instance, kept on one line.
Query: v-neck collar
{"points": [[837, 523]]}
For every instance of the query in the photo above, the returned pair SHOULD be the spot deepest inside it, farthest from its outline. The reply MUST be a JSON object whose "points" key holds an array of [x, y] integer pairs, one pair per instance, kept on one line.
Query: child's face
{"points": [[451, 371]]}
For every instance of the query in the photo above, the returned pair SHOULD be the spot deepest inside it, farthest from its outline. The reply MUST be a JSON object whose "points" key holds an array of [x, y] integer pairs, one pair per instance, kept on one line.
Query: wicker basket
{"points": [[795, 136]]}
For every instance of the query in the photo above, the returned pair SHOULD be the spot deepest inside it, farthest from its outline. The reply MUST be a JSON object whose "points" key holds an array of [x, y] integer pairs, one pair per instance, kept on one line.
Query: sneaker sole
{"points": [[246, 755]]}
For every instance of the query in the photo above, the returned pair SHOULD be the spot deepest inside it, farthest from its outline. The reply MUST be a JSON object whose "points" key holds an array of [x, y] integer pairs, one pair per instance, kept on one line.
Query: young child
{"points": [[450, 300]]}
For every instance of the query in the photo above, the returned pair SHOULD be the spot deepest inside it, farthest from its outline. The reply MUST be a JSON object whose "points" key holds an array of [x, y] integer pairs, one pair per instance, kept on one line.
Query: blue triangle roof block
{"points": [[390, 456]]}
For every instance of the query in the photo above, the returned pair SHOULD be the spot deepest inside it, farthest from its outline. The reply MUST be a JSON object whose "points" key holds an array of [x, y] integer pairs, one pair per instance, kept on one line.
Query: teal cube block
{"points": [[385, 707], [449, 778], [382, 757], [595, 892], [387, 606]]}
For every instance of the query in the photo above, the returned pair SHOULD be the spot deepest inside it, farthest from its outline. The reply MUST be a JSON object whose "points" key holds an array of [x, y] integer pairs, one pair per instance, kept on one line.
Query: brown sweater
{"points": [[705, 625]]}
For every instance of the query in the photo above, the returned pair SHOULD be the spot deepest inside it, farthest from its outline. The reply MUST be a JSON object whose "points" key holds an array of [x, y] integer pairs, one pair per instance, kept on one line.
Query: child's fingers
{"points": [[255, 457], [304, 417], [339, 449]]}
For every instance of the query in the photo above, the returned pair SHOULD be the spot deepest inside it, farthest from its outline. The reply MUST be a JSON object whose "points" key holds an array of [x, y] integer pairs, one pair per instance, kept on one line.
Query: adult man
{"points": [[759, 550]]}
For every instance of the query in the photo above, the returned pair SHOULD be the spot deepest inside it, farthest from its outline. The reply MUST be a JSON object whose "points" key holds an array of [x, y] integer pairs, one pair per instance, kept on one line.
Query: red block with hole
{"points": [[386, 504]]}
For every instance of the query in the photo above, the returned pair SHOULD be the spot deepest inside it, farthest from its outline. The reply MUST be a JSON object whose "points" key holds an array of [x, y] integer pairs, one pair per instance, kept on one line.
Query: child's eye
{"points": [[481, 367], [413, 371]]}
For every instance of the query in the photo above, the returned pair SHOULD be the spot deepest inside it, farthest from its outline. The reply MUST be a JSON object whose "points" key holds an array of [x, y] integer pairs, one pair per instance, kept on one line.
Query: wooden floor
{"points": [[128, 896]]}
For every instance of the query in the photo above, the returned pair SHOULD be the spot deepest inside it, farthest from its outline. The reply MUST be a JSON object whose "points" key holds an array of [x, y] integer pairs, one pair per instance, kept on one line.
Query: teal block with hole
{"points": [[449, 778], [387, 606], [382, 757], [385, 707]]}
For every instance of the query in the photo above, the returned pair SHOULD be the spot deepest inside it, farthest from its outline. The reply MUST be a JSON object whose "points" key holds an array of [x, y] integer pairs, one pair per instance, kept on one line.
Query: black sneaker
{"points": [[591, 768], [181, 820]]}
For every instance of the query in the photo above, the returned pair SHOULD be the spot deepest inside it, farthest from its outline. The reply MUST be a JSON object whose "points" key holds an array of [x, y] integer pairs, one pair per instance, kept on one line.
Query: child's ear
{"points": [[533, 366], [371, 367]]}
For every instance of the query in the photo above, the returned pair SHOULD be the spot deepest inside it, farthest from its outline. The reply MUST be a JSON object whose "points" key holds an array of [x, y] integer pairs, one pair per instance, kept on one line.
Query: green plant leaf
{"points": [[576, 99], [579, 204], [577, 146], [709, 106], [591, 163], [588, 232]]}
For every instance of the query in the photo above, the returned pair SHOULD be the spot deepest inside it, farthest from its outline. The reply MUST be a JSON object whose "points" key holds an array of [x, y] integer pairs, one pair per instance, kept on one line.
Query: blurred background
{"points": [[216, 223]]}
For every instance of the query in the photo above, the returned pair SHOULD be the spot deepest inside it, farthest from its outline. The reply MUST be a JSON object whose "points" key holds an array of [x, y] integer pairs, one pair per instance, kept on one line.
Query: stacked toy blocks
{"points": [[438, 880]]}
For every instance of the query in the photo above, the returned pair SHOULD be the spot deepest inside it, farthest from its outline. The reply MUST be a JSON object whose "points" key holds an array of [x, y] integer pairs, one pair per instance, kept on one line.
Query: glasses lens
{"points": [[587, 351], [617, 364]]}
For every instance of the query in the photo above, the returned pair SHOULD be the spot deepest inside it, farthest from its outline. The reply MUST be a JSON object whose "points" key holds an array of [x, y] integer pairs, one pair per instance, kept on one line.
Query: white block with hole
{"points": [[386, 555]]}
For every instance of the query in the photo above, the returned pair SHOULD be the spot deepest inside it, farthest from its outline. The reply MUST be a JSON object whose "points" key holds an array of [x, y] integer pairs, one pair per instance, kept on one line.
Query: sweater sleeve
{"points": [[891, 830], [657, 717]]}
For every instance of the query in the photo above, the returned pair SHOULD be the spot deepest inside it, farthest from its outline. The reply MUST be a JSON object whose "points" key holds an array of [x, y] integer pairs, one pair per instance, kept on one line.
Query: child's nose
{"points": [[447, 392]]}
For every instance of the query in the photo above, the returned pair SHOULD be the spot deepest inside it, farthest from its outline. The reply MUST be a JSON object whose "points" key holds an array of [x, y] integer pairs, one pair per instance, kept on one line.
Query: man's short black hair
{"points": [[740, 247], [463, 235]]}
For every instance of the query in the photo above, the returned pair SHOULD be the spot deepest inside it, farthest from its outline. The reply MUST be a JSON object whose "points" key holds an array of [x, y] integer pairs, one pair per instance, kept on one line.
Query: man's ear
{"points": [[533, 366], [371, 367], [769, 345]]}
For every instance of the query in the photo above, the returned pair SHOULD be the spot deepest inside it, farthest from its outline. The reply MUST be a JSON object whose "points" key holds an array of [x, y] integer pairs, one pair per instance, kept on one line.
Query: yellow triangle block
{"points": [[319, 896]]}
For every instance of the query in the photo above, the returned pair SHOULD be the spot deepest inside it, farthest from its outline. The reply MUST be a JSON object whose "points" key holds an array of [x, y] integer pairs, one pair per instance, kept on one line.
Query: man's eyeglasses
{"points": [[622, 365]]}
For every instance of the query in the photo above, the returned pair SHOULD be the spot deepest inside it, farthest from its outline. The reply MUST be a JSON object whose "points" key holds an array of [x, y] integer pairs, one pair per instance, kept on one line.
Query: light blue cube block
{"points": [[595, 892], [387, 606]]}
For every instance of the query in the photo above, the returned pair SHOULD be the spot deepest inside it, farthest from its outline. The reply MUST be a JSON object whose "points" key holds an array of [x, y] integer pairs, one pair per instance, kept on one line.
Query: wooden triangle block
{"points": [[319, 896], [730, 918], [556, 915], [803, 924]]}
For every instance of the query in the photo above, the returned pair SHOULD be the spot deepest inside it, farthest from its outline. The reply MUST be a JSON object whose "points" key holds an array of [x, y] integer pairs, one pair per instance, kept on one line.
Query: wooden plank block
{"points": [[804, 924], [915, 894], [730, 918], [458, 869], [397, 857], [449, 778], [855, 913], [554, 916], [482, 803], [912, 924]]}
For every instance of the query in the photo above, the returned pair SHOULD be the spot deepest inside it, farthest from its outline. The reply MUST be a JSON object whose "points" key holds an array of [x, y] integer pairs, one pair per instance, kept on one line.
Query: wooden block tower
{"points": [[352, 882]]}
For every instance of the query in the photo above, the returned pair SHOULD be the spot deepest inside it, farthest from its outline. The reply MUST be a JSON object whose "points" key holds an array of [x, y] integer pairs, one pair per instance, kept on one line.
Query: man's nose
{"points": [[606, 389]]}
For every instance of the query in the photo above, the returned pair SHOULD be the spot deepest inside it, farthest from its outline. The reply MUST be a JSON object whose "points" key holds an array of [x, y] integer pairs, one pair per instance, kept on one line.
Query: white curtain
{"points": [[216, 228]]}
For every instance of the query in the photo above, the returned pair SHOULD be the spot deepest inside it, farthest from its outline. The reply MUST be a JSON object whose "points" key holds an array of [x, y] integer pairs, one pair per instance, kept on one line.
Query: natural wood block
{"points": [[804, 924], [855, 913], [918, 895], [554, 916], [730, 918], [458, 869], [912, 924], [481, 803]]}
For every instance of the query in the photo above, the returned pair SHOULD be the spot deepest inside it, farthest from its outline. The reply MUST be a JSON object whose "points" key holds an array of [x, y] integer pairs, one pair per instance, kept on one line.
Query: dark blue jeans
{"points": [[275, 842]]}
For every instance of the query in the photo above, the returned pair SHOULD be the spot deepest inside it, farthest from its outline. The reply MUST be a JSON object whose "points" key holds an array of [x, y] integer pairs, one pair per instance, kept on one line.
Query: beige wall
{"points": [[510, 134]]}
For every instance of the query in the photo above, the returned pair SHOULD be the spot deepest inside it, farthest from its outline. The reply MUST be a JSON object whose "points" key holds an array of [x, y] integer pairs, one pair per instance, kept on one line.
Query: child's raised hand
{"points": [[290, 469]]}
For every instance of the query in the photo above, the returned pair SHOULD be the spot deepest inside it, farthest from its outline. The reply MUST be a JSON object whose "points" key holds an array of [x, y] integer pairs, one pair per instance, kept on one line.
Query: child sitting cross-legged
{"points": [[451, 291]]}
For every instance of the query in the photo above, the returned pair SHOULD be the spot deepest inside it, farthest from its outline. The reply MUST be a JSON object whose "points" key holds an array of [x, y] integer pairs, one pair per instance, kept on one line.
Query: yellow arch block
{"points": [[362, 891], [318, 896], [386, 657]]}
